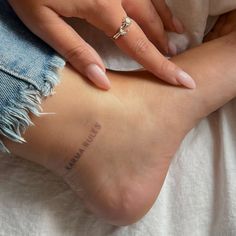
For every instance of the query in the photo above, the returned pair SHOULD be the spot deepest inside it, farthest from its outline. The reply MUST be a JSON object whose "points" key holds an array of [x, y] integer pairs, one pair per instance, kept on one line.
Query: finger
{"points": [[170, 22], [52, 29], [136, 44], [220, 23], [231, 19], [228, 25], [150, 22], [216, 31], [59, 35]]}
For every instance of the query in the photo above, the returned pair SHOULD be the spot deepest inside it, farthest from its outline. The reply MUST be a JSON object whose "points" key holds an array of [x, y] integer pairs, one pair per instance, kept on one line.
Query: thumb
{"points": [[67, 42]]}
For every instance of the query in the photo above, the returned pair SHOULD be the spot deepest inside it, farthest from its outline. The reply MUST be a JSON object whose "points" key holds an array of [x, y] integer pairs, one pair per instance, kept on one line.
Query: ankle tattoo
{"points": [[85, 145]]}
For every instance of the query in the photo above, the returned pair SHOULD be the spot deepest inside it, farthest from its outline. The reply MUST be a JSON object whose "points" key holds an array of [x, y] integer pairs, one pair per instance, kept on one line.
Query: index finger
{"points": [[137, 45]]}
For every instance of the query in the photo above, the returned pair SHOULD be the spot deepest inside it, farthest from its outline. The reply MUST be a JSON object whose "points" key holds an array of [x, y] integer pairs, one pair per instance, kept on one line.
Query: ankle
{"points": [[215, 87]]}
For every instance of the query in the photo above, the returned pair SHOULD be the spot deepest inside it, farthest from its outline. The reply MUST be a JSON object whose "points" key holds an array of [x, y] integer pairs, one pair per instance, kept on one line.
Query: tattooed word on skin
{"points": [[85, 145]]}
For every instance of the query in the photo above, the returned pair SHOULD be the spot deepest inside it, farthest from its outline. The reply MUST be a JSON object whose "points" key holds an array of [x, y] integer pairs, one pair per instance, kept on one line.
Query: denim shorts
{"points": [[28, 73]]}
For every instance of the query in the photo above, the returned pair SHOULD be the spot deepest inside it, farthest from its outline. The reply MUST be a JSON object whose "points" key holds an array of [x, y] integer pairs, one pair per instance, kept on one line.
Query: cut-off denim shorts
{"points": [[28, 73]]}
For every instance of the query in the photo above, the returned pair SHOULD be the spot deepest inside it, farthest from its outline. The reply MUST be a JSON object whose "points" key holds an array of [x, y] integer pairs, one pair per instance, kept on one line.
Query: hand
{"points": [[225, 25], [44, 18]]}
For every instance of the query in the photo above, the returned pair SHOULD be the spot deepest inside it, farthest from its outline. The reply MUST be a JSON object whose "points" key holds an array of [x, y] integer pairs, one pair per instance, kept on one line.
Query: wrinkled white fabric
{"points": [[198, 197]]}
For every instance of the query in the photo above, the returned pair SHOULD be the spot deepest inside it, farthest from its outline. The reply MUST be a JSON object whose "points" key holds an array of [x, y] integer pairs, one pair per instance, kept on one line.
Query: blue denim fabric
{"points": [[28, 72]]}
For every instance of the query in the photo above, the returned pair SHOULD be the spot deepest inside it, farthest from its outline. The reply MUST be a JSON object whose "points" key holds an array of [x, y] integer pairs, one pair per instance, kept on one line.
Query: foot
{"points": [[114, 148]]}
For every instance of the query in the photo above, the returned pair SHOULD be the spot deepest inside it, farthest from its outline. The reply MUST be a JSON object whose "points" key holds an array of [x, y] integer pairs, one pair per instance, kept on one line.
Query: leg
{"points": [[141, 123]]}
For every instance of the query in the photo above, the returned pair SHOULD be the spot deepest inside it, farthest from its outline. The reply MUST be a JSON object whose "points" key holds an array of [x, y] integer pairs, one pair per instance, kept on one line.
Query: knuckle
{"points": [[93, 8], [153, 19], [130, 7], [84, 9], [77, 52], [141, 46], [165, 67], [80, 11], [101, 5]]}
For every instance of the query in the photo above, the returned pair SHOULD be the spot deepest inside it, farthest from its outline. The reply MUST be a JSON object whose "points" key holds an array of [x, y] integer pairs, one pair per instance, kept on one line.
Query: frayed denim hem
{"points": [[14, 116]]}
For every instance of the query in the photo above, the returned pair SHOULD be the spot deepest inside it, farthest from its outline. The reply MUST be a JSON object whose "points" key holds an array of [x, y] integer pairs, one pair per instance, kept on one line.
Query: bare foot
{"points": [[114, 148]]}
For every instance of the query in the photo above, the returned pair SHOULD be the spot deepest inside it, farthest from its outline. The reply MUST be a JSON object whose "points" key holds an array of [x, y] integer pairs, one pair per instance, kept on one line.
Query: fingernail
{"points": [[186, 80], [172, 49], [98, 76], [178, 25]]}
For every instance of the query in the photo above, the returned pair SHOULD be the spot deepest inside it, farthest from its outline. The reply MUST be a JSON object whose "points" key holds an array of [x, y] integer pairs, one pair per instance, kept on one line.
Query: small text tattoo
{"points": [[85, 145]]}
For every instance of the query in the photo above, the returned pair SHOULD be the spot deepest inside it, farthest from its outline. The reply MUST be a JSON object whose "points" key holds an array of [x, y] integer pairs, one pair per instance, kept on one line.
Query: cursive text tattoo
{"points": [[85, 145]]}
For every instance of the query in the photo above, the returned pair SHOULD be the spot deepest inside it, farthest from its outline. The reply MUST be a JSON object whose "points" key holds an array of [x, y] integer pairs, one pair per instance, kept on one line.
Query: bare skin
{"points": [[137, 127]]}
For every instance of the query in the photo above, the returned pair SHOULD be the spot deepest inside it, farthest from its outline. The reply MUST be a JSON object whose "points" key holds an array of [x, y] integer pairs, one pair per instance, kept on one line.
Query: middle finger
{"points": [[145, 14]]}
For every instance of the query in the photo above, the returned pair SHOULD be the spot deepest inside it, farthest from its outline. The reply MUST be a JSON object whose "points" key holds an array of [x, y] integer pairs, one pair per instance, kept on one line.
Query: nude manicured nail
{"points": [[172, 49], [186, 80], [178, 25], [98, 76]]}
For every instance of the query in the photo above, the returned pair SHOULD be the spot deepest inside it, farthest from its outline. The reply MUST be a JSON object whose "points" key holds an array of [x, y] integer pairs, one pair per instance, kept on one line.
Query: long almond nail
{"points": [[186, 80], [178, 25], [98, 76]]}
